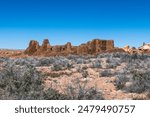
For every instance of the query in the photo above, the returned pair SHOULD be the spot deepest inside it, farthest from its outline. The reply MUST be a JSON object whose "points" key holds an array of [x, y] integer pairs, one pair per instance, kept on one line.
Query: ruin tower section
{"points": [[32, 48]]}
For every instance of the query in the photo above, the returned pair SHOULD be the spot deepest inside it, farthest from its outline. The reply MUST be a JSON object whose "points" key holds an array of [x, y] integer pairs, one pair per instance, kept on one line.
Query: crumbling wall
{"points": [[92, 47], [32, 48]]}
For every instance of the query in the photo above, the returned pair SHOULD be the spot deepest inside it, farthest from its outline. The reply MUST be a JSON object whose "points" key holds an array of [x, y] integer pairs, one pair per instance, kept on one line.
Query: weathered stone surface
{"points": [[126, 48], [116, 49], [145, 47], [45, 45], [92, 47], [33, 47], [82, 49], [68, 47], [95, 46]]}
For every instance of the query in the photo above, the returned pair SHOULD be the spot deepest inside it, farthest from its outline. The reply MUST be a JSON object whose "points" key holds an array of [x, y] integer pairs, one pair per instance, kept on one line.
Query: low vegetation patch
{"points": [[80, 91], [139, 82]]}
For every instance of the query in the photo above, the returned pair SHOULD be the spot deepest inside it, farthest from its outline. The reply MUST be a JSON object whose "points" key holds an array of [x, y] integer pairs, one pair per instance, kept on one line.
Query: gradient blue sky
{"points": [[76, 21]]}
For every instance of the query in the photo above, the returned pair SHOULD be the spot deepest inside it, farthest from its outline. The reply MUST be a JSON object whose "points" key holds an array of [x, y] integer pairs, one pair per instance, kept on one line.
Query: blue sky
{"points": [[77, 21]]}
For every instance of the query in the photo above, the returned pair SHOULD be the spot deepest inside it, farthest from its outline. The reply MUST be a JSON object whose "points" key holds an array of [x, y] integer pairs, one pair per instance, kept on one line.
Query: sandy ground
{"points": [[104, 84]]}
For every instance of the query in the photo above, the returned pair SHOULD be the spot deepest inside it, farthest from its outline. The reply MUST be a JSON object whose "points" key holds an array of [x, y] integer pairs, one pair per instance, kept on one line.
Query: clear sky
{"points": [[77, 21]]}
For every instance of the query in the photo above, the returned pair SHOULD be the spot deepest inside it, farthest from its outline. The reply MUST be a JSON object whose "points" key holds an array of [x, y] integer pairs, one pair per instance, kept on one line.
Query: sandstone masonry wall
{"points": [[92, 47]]}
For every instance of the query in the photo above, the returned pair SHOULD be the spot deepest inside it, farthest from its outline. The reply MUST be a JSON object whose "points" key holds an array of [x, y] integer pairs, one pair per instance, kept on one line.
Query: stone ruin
{"points": [[33, 47], [145, 49], [92, 47]]}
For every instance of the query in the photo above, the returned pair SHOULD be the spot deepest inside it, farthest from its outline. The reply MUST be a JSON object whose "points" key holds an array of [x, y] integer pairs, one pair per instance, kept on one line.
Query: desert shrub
{"points": [[110, 62], [105, 73], [120, 81], [25, 61], [20, 61], [134, 73], [119, 54], [148, 63], [24, 82], [113, 62], [143, 56], [96, 64], [52, 94], [80, 91], [140, 82], [104, 55], [133, 57], [72, 57], [20, 83], [61, 64], [57, 67], [2, 59], [45, 61], [80, 61], [124, 57]]}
